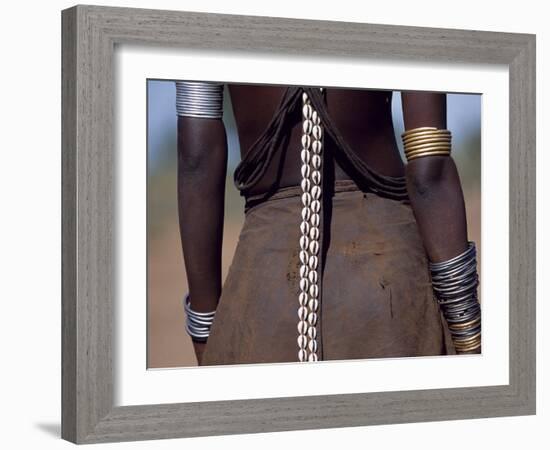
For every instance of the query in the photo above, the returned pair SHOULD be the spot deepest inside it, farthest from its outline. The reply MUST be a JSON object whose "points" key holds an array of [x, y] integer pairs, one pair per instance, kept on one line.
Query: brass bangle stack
{"points": [[426, 141]]}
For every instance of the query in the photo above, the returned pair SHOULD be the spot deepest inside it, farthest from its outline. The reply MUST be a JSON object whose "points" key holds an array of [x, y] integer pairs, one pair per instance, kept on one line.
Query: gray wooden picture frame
{"points": [[90, 34]]}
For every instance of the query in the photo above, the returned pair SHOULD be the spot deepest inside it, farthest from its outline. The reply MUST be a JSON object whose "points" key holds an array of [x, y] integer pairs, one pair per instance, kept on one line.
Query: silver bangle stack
{"points": [[455, 283], [308, 298], [197, 324], [200, 99]]}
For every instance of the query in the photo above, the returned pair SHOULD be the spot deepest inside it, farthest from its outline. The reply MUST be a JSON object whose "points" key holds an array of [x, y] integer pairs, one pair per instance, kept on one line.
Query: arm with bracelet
{"points": [[202, 165], [436, 197]]}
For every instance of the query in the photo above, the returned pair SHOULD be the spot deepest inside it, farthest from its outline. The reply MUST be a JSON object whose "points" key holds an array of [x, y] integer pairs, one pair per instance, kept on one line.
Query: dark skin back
{"points": [[365, 121], [364, 118]]}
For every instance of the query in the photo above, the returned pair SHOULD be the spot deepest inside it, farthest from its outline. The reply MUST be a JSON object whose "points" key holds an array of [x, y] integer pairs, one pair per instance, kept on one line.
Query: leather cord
{"points": [[255, 162]]}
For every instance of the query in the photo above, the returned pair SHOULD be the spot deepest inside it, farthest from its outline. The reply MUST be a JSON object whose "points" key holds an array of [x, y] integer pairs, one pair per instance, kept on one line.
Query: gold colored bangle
{"points": [[470, 338], [424, 155], [441, 146], [428, 140], [462, 326], [429, 153], [424, 134], [469, 349], [461, 352], [467, 344], [415, 130], [470, 346], [431, 150], [427, 134]]}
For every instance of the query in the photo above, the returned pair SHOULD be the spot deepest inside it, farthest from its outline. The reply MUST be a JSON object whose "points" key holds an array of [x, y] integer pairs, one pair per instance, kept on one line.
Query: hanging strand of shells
{"points": [[311, 159]]}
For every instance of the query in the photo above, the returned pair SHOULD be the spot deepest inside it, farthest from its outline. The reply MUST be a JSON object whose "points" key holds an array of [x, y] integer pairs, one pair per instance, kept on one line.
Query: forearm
{"points": [[202, 163], [438, 204]]}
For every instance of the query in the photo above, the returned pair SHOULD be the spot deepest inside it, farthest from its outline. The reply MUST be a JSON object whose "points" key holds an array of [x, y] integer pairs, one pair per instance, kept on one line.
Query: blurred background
{"points": [[168, 345]]}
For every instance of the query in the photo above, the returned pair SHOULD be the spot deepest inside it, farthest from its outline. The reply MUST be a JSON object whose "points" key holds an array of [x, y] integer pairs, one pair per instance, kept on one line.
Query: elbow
{"points": [[201, 165], [426, 175], [194, 161], [202, 146]]}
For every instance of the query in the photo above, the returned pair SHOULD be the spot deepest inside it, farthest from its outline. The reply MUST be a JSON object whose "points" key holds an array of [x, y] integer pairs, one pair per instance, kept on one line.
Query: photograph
{"points": [[301, 224], [288, 222]]}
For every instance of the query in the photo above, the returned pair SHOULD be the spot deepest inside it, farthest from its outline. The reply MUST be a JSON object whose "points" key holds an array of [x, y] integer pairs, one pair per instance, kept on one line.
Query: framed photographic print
{"points": [[256, 209]]}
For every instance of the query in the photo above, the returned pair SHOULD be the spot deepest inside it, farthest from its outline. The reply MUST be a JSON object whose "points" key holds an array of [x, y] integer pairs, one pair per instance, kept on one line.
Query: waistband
{"points": [[295, 191]]}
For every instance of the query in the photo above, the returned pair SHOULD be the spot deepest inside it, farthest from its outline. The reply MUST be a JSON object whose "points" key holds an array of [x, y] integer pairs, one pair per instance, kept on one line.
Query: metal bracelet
{"points": [[426, 141], [197, 324], [456, 259], [200, 99], [455, 283]]}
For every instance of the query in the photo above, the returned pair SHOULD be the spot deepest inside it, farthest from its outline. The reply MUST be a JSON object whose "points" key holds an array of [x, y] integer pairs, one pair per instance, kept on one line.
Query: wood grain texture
{"points": [[68, 226], [523, 224], [89, 198]]}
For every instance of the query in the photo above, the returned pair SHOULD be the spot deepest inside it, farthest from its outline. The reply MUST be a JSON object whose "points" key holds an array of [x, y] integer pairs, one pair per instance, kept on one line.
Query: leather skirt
{"points": [[376, 296]]}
